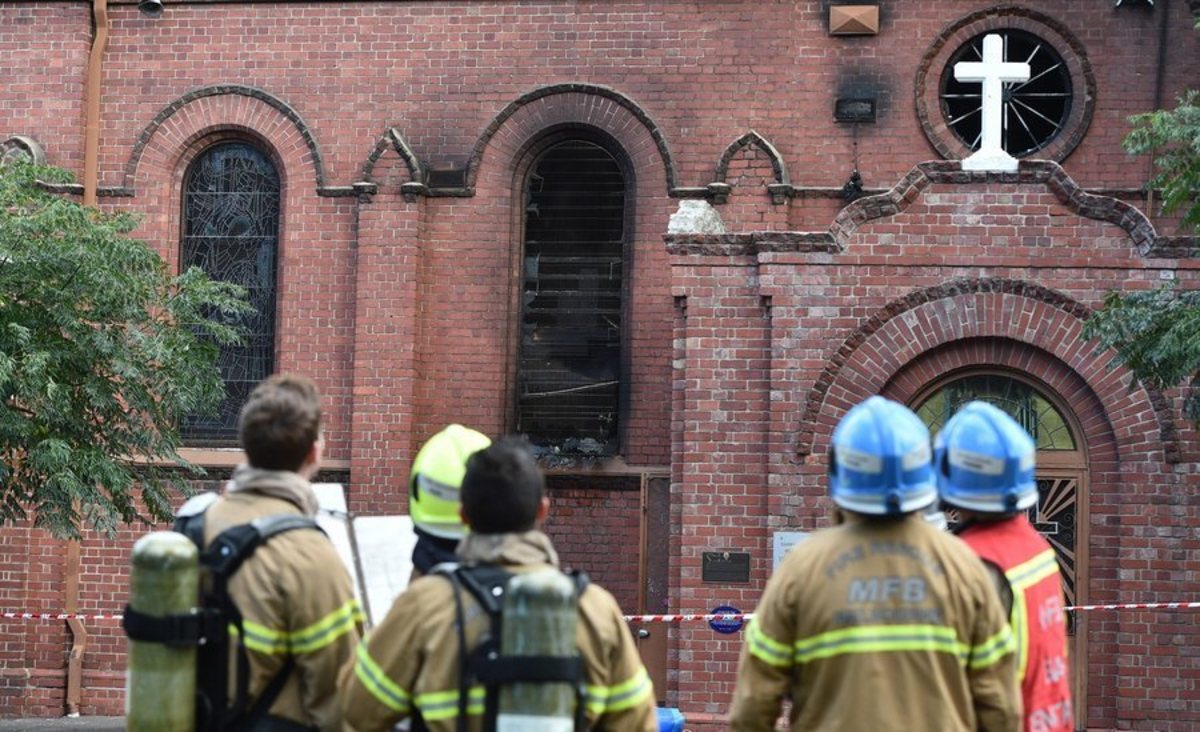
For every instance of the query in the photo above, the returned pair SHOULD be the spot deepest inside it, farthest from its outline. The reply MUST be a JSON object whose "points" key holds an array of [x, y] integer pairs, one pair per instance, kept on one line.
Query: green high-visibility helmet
{"points": [[436, 479]]}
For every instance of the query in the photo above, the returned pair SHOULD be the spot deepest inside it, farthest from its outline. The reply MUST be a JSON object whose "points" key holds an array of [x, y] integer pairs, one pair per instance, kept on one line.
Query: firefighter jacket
{"points": [[1038, 620], [295, 596], [409, 665], [879, 625]]}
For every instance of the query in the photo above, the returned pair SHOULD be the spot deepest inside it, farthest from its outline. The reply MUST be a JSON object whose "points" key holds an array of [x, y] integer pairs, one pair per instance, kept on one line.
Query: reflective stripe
{"points": [[629, 694], [260, 638], [438, 705], [328, 629], [1022, 577], [1035, 570], [881, 639], [767, 649], [993, 649], [373, 678]]}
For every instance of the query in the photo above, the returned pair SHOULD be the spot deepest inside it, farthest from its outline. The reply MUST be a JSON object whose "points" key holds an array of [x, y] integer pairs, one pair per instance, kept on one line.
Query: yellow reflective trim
{"points": [[625, 695], [629, 694], [993, 649], [260, 638], [767, 649], [1021, 631], [373, 678], [439, 705], [1033, 571], [326, 630], [1022, 577], [881, 639]]}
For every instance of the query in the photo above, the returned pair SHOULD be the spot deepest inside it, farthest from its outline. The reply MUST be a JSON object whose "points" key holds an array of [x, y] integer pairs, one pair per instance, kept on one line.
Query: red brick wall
{"points": [[595, 528], [742, 352]]}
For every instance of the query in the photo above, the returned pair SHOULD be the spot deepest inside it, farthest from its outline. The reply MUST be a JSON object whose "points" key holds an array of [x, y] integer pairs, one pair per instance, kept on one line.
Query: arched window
{"points": [[231, 230], [569, 366], [1061, 464]]}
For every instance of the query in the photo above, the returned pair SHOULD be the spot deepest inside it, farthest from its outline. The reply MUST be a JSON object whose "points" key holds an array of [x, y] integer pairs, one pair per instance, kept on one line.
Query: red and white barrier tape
{"points": [[677, 618], [708, 617]]}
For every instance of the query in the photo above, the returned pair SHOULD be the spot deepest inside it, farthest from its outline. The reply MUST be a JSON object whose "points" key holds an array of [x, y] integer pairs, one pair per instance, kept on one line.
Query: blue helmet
{"points": [[984, 461], [879, 460]]}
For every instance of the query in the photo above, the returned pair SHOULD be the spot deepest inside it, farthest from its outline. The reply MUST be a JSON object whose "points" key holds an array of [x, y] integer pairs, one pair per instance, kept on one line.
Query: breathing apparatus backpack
{"points": [[216, 617], [485, 664]]}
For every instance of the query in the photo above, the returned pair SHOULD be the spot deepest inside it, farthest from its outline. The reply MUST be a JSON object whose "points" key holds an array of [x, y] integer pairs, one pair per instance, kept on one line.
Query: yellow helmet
{"points": [[436, 477]]}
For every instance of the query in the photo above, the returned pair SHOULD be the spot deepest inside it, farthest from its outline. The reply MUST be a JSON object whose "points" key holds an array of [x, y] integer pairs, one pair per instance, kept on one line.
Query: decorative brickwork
{"points": [[583, 104], [160, 139]]}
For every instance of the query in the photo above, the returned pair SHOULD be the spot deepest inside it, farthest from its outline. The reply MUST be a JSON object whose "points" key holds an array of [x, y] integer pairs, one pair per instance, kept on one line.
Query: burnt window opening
{"points": [[569, 367], [231, 231], [1035, 110]]}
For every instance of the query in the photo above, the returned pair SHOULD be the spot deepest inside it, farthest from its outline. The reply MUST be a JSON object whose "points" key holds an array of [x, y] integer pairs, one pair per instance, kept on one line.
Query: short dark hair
{"points": [[280, 422], [503, 488]]}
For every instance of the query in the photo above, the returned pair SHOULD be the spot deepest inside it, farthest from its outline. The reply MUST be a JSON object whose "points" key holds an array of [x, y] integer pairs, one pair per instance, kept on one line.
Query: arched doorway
{"points": [[1062, 474]]}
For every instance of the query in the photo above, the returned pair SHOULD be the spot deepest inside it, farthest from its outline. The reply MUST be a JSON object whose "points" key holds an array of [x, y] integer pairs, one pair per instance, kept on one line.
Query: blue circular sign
{"points": [[726, 625]]}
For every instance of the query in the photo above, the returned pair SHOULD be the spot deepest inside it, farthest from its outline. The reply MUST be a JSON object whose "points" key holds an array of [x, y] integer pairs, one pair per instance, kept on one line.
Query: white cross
{"points": [[992, 71]]}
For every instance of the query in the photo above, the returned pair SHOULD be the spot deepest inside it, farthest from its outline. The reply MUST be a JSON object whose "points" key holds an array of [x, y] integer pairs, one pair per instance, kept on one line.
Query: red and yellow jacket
{"points": [[1037, 619]]}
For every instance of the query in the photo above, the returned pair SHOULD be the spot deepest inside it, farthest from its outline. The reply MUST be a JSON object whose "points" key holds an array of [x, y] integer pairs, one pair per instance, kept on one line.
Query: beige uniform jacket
{"points": [[409, 664], [295, 596], [877, 626]]}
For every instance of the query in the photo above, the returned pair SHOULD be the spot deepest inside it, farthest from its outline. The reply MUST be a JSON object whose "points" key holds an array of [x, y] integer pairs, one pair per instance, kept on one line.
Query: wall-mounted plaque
{"points": [[725, 567]]}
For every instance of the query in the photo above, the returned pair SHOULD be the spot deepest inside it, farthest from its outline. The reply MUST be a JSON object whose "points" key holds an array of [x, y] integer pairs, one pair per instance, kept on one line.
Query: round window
{"points": [[1034, 111], [1045, 116]]}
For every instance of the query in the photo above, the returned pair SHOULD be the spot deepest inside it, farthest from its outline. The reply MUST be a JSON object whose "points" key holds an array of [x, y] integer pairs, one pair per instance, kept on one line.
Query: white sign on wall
{"points": [[784, 541]]}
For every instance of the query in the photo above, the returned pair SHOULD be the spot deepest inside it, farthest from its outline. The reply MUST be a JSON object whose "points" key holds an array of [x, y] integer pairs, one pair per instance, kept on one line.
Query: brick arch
{"points": [[394, 140], [906, 329], [586, 105], [752, 138], [219, 109], [1052, 375]]}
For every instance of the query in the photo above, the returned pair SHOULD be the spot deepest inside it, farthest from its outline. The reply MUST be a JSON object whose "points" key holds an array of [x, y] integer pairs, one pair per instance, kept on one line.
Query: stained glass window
{"points": [[231, 231], [569, 370], [1020, 400]]}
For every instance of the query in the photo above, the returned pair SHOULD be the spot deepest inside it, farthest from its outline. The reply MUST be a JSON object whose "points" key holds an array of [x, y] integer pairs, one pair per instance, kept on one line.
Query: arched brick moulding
{"points": [[927, 87], [394, 140], [225, 107], [757, 140], [585, 104], [1046, 173], [1051, 376], [906, 329]]}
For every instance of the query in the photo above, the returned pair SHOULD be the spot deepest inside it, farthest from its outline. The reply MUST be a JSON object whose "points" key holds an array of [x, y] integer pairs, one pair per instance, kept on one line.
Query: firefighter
{"points": [[296, 598], [417, 661], [433, 495], [882, 622], [985, 468]]}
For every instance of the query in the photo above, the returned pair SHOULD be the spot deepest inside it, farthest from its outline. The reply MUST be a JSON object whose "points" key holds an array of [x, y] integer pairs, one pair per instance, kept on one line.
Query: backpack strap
{"points": [[228, 551], [485, 664], [207, 628]]}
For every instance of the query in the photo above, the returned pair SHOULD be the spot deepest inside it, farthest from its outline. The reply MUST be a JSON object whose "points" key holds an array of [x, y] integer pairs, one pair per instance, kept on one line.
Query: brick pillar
{"points": [[385, 332]]}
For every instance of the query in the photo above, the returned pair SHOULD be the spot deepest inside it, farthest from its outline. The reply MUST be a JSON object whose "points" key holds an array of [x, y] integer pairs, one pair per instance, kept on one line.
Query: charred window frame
{"points": [[572, 364], [230, 229]]}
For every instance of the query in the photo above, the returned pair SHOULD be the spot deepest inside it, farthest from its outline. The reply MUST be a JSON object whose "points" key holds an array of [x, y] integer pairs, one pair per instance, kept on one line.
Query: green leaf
{"points": [[102, 352]]}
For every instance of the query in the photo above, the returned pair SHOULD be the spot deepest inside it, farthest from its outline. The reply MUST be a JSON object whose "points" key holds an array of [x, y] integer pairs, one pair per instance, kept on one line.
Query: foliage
{"points": [[1173, 136], [1156, 334], [102, 351]]}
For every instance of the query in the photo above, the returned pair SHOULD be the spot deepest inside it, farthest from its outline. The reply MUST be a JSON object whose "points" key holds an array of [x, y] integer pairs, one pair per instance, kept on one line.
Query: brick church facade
{"points": [[463, 212]]}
